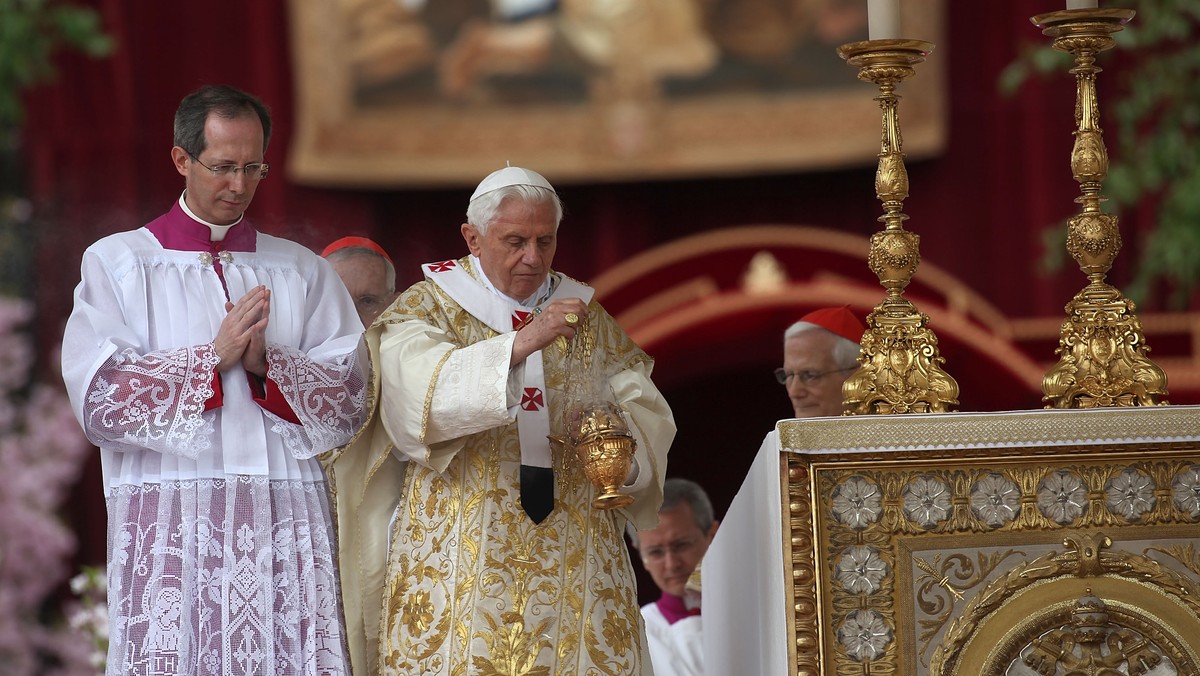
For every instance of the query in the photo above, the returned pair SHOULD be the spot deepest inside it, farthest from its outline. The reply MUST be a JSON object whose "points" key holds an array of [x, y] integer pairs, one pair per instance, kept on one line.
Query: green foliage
{"points": [[1035, 59], [1154, 147], [30, 32]]}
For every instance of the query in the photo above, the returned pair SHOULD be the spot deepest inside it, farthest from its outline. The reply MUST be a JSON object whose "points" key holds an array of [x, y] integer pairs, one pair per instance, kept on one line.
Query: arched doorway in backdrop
{"points": [[712, 308]]}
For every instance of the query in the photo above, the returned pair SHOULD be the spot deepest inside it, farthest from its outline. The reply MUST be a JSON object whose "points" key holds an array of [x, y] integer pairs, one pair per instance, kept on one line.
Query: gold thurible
{"points": [[1101, 348], [594, 427], [900, 367]]}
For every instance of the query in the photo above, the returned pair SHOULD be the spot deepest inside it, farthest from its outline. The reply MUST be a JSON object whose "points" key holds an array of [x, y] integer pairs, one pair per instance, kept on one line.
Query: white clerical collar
{"points": [[538, 296], [218, 231]]}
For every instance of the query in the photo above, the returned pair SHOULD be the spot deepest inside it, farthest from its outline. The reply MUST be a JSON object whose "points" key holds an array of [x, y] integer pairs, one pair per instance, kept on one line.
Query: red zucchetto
{"points": [[839, 320]]}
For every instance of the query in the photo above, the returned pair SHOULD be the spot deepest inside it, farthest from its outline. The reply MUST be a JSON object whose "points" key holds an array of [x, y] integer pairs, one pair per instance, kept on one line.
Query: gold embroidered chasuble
{"points": [[472, 585]]}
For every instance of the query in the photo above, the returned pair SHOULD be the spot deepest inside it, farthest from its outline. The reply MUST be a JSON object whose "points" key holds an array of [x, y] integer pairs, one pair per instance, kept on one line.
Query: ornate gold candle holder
{"points": [[1101, 346], [901, 368], [601, 440]]}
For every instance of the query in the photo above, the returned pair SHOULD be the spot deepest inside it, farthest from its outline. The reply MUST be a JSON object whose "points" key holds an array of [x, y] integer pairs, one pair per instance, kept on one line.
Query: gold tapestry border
{"points": [[586, 115]]}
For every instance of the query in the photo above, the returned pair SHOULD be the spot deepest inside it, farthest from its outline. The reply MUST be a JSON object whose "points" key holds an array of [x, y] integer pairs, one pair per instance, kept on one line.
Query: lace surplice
{"points": [[221, 555]]}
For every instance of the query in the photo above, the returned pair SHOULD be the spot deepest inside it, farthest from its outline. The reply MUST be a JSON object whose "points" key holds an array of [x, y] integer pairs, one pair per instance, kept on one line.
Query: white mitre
{"points": [[502, 178]]}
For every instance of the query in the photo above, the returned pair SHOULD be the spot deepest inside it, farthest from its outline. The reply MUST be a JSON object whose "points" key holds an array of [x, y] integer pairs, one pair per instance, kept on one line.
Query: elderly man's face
{"points": [[811, 352], [671, 551], [365, 277], [518, 248]]}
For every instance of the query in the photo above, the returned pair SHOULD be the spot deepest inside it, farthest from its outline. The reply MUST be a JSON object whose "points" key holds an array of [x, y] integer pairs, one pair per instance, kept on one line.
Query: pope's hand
{"points": [[561, 318]]}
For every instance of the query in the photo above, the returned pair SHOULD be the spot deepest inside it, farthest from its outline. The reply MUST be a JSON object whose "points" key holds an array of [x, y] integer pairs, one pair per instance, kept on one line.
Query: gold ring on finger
{"points": [[571, 319]]}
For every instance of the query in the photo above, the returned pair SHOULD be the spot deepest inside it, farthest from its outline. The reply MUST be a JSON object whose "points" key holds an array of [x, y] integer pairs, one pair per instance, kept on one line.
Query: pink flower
{"points": [[41, 451]]}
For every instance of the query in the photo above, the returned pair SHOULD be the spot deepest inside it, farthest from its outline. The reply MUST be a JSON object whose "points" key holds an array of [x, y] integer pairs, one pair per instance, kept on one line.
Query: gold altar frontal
{"points": [[1030, 542]]}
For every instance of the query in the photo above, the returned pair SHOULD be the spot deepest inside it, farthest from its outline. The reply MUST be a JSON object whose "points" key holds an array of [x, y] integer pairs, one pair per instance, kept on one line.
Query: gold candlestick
{"points": [[900, 368], [1101, 346]]}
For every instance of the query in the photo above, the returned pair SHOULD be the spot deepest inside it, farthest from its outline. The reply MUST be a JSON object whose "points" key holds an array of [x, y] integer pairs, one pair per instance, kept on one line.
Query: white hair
{"points": [[482, 210], [844, 352]]}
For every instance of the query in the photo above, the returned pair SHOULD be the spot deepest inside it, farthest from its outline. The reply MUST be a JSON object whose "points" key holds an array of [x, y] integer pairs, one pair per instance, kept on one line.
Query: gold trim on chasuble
{"points": [[475, 587]]}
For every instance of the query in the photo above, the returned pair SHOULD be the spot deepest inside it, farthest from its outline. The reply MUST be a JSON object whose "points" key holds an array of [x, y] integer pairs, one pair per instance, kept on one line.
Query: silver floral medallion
{"points": [[860, 569], [856, 502], [926, 501], [1185, 491], [864, 634], [995, 500], [1062, 497], [1130, 494]]}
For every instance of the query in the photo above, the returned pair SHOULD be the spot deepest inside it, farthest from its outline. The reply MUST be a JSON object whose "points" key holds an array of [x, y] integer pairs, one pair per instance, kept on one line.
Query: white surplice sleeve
{"points": [[326, 397], [435, 394], [315, 355], [123, 394], [139, 363]]}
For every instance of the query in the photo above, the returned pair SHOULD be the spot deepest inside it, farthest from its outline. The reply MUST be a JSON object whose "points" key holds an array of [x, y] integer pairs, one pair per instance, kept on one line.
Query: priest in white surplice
{"points": [[671, 552], [472, 542], [211, 364]]}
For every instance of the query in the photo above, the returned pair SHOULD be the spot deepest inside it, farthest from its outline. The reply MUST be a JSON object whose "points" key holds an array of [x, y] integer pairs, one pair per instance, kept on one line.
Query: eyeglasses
{"points": [[807, 378], [678, 548], [255, 171]]}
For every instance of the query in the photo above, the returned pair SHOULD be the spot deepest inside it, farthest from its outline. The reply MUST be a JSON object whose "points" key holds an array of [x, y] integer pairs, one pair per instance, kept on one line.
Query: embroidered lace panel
{"points": [[154, 401], [223, 577], [327, 399]]}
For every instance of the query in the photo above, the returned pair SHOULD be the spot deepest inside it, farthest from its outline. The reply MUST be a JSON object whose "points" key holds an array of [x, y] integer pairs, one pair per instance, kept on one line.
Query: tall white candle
{"points": [[1081, 4], [883, 19]]}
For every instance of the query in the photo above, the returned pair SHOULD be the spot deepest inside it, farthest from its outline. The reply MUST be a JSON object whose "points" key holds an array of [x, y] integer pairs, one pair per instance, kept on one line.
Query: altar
{"points": [[963, 543], [905, 538]]}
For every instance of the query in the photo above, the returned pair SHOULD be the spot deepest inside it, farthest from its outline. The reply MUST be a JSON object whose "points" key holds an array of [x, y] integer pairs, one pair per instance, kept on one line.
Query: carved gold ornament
{"points": [[901, 368], [1080, 636], [913, 536], [1102, 349]]}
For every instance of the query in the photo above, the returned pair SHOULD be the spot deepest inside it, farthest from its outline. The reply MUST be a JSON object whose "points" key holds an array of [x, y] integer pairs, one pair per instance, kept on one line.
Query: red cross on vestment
{"points": [[441, 267], [520, 318], [532, 400]]}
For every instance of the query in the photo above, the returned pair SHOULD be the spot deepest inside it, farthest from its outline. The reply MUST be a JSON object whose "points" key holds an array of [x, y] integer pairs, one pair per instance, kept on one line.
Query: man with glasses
{"points": [[819, 353], [212, 363], [671, 553]]}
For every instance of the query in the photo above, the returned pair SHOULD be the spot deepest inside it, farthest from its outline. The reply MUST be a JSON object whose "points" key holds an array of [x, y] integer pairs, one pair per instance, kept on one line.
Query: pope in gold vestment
{"points": [[443, 570]]}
